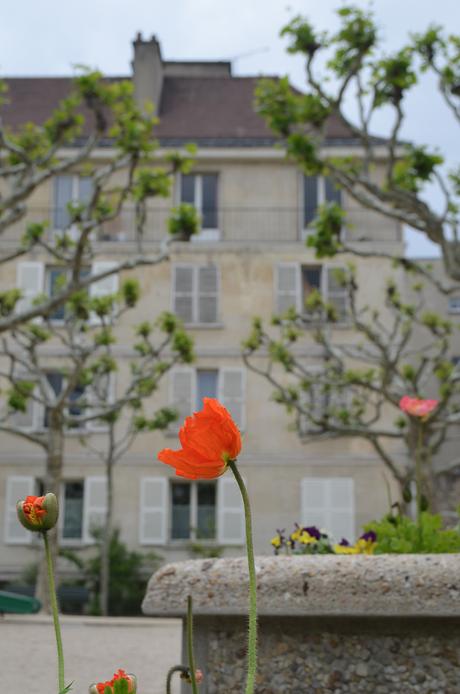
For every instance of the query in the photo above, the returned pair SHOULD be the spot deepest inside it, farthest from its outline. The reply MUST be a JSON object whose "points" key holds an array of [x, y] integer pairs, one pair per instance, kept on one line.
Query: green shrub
{"points": [[401, 535]]}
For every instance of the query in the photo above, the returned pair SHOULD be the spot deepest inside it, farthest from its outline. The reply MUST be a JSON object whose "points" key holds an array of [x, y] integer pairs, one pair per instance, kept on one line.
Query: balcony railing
{"points": [[235, 224]]}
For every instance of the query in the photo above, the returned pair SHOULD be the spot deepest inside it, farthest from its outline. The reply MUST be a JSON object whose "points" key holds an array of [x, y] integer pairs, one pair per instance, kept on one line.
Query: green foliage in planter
{"points": [[401, 535]]}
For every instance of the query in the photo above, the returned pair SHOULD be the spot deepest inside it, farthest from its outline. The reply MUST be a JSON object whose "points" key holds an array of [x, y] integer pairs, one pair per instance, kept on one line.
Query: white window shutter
{"points": [[232, 393], [207, 294], [342, 505], [335, 294], [17, 488], [182, 394], [104, 287], [230, 512], [183, 292], [30, 278], [153, 519], [328, 503], [94, 506], [287, 287], [30, 419]]}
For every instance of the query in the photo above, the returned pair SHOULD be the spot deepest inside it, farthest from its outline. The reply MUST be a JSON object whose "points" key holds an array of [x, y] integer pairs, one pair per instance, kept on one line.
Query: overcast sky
{"points": [[50, 36]]}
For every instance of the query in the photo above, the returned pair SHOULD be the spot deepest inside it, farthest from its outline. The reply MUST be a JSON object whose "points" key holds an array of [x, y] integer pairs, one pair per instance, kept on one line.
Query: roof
{"points": [[211, 111]]}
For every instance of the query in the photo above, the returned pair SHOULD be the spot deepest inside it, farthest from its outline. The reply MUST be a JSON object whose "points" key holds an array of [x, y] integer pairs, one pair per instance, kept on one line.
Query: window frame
{"points": [[452, 309], [299, 298], [195, 267], [193, 484], [192, 370], [204, 234], [71, 541], [307, 230], [75, 198]]}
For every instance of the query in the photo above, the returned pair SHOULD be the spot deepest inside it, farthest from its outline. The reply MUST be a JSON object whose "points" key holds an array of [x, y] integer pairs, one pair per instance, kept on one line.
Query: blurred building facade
{"points": [[249, 259]]}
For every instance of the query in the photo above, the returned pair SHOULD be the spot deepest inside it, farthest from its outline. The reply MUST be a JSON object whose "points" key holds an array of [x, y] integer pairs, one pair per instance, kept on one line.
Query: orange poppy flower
{"points": [[210, 438], [417, 407]]}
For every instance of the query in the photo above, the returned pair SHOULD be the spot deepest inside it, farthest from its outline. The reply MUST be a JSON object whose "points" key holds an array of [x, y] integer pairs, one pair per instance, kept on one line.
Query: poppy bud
{"points": [[38, 513], [186, 676], [121, 683]]}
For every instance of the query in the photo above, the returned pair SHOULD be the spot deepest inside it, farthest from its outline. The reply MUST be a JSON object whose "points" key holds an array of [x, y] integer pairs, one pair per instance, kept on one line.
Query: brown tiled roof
{"points": [[209, 110]]}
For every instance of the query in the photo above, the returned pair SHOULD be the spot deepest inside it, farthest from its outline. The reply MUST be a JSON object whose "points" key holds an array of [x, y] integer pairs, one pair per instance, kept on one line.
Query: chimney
{"points": [[147, 71]]}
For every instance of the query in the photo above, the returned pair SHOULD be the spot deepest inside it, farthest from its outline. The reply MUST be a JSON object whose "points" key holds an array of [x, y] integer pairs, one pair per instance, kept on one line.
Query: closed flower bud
{"points": [[186, 676], [38, 513]]}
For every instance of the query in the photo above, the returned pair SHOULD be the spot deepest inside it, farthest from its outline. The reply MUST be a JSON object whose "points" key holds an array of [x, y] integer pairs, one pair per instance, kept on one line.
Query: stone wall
{"points": [[380, 625]]}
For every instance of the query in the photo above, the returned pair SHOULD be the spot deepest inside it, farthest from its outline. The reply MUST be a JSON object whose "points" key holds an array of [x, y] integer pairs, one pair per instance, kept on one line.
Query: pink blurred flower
{"points": [[417, 407]]}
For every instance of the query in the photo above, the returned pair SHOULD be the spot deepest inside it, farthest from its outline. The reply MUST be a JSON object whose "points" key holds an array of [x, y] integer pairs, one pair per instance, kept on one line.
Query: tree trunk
{"points": [[52, 483], [105, 546]]}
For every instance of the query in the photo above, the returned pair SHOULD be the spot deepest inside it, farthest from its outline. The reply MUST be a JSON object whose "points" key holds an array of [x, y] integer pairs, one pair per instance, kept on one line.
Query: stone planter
{"points": [[370, 624]]}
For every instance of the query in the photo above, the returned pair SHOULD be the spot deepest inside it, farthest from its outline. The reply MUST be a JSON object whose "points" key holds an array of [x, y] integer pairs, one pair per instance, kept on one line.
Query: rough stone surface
{"points": [[295, 657], [362, 585], [349, 625]]}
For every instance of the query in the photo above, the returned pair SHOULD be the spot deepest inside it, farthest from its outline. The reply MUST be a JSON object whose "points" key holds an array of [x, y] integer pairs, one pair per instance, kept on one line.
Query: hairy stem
{"points": [[252, 629], [54, 608], [176, 668], [190, 654]]}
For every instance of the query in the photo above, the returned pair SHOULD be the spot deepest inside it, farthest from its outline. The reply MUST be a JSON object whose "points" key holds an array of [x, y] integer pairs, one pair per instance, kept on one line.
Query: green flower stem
{"points": [[176, 668], [54, 607], [190, 654], [252, 630], [419, 480]]}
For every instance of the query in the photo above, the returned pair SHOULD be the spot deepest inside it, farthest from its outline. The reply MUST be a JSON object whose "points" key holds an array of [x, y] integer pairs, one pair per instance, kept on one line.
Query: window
{"points": [[316, 191], [295, 282], [56, 278], [69, 189], [189, 386], [329, 503], [190, 511], [83, 506], [454, 304], [58, 383], [206, 385], [195, 293], [200, 190], [193, 511], [72, 524], [320, 401], [34, 279]]}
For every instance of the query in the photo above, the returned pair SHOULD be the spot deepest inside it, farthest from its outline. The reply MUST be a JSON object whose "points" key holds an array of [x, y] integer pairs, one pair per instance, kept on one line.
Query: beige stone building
{"points": [[248, 259]]}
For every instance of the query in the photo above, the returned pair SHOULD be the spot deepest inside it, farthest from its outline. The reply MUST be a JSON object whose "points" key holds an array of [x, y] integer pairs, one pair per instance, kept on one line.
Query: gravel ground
{"points": [[93, 647]]}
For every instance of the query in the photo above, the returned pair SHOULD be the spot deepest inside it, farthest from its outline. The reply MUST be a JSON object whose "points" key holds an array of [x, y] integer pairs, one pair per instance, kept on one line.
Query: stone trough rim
{"points": [[411, 585]]}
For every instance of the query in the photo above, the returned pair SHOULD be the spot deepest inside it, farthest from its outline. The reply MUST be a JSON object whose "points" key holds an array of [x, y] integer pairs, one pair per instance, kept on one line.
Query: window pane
{"points": [[187, 192], [73, 511], [180, 506], [333, 194], [310, 198], [311, 280], [55, 380], [85, 189], [209, 201], [62, 196], [75, 410], [56, 282], [206, 520], [206, 385]]}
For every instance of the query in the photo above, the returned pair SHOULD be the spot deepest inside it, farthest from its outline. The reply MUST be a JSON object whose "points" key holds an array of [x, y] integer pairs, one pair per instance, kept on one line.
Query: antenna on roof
{"points": [[255, 51]]}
